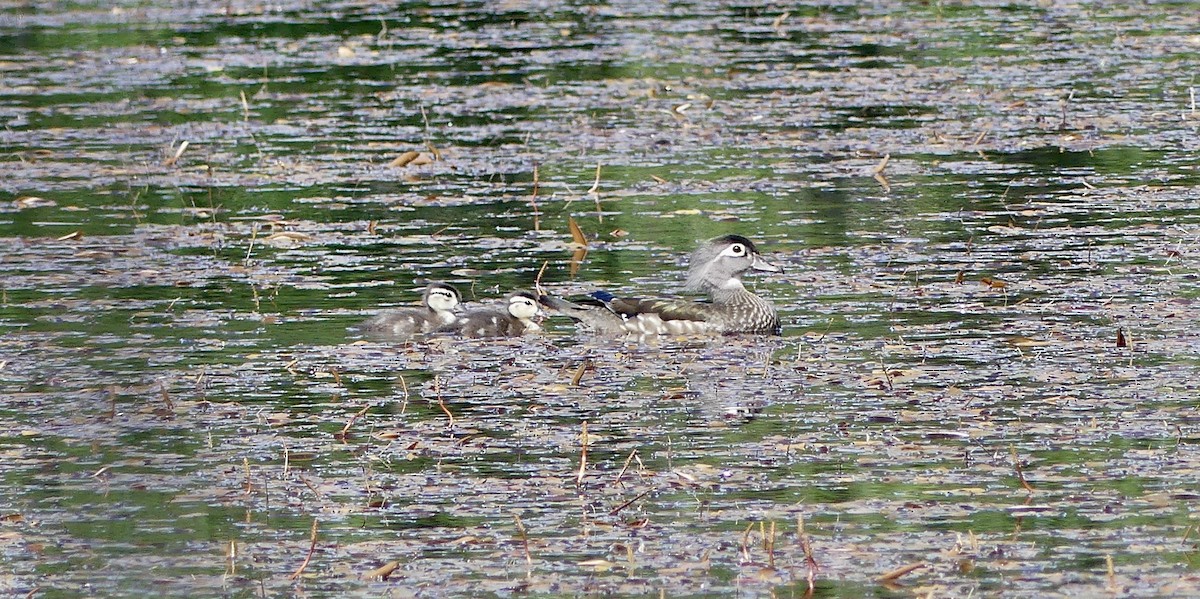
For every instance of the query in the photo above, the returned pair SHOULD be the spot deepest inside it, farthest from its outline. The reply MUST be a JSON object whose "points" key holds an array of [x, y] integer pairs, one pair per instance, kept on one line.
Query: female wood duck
{"points": [[513, 320], [716, 268], [439, 301]]}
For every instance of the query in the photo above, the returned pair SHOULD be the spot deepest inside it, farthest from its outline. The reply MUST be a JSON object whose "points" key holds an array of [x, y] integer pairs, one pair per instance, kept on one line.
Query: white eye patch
{"points": [[736, 250]]}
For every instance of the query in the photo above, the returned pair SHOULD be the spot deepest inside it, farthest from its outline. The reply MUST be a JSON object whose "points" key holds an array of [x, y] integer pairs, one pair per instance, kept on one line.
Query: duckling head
{"points": [[523, 305], [442, 298]]}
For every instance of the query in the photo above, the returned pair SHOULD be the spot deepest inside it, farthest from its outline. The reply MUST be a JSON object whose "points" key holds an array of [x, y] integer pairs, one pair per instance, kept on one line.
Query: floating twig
{"points": [[382, 572], [901, 571]]}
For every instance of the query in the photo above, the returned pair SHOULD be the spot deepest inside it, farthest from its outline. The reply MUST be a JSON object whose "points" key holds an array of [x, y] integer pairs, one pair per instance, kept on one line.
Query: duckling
{"points": [[514, 320], [438, 303], [716, 268]]}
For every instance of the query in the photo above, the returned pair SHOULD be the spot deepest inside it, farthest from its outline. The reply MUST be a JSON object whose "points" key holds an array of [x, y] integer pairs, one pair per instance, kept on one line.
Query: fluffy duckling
{"points": [[513, 320], [438, 303]]}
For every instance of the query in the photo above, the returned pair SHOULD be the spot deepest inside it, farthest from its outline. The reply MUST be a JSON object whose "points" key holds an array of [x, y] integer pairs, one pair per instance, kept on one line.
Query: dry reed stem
{"points": [[809, 560], [577, 236], [250, 248], [437, 390], [311, 488], [404, 389], [166, 398], [537, 281], [584, 366], [746, 543], [583, 442], [249, 484], [433, 151], [777, 24], [312, 547], [887, 376], [349, 423], [882, 164], [617, 510], [231, 559], [633, 453], [1112, 574], [524, 539], [533, 200], [178, 154], [877, 173], [769, 545], [1020, 473], [595, 190]]}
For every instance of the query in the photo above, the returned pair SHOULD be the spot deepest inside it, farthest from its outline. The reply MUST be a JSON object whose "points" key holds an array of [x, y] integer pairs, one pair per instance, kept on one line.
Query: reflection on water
{"points": [[986, 216]]}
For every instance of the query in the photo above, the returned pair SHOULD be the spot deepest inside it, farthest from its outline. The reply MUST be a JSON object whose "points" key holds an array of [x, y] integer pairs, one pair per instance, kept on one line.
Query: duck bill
{"points": [[761, 264]]}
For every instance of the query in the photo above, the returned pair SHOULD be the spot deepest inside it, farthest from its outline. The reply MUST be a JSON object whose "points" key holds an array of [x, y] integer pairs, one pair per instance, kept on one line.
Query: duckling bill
{"points": [[715, 268]]}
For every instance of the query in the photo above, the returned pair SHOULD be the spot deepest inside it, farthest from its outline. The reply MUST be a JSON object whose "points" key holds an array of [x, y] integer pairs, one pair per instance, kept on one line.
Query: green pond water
{"points": [[987, 212]]}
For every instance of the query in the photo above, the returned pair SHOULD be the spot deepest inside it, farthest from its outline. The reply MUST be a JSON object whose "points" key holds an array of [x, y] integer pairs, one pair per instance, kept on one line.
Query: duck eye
{"points": [[737, 249]]}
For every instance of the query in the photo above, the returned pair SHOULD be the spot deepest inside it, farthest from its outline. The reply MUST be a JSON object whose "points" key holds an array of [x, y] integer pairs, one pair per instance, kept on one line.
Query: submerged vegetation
{"points": [[987, 377]]}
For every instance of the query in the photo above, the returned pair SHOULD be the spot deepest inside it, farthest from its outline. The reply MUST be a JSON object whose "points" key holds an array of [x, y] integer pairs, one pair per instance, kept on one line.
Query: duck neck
{"points": [[730, 292]]}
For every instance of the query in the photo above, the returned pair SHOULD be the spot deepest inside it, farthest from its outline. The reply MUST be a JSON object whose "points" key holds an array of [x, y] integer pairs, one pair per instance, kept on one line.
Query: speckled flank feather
{"points": [[513, 320], [439, 302], [716, 268]]}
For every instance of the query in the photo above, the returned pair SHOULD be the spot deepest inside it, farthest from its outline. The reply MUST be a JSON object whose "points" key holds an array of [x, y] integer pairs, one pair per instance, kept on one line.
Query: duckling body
{"points": [[513, 320], [438, 303], [716, 268]]}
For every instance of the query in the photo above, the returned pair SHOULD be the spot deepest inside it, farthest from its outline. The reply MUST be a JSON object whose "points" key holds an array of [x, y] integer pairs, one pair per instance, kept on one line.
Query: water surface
{"points": [[986, 212]]}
